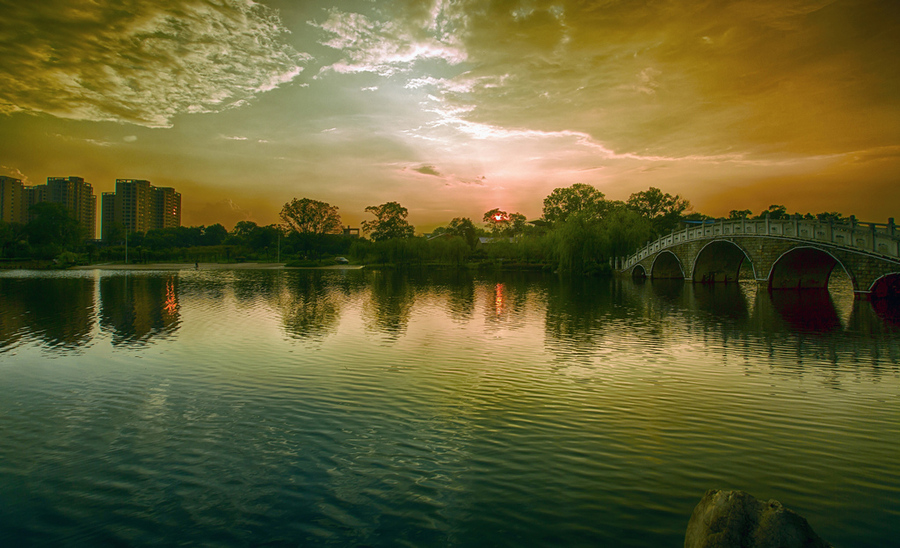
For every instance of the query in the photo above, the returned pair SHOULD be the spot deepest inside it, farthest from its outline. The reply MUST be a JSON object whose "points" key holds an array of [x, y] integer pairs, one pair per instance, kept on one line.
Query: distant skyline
{"points": [[455, 108]]}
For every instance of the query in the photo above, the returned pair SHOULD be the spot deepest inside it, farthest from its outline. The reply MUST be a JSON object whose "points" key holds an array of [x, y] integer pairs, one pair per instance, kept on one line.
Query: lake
{"points": [[380, 408]]}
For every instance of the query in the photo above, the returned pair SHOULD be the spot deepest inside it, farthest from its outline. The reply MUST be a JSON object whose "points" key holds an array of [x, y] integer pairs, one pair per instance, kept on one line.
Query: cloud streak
{"points": [[139, 62], [383, 47]]}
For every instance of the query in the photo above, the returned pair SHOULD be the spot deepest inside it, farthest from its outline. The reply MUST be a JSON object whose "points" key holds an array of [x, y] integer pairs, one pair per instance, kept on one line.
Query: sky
{"points": [[455, 107]]}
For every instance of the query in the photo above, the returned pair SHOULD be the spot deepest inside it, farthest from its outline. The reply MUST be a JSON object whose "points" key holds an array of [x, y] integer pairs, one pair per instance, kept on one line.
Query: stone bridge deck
{"points": [[783, 254]]}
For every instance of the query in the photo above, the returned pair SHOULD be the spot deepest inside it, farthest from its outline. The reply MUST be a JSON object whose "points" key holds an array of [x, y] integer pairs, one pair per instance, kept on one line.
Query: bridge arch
{"points": [[886, 287], [805, 267], [720, 261], [667, 265], [638, 271]]}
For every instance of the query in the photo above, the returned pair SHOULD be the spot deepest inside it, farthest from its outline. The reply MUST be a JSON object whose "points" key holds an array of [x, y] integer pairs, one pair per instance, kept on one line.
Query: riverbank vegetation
{"points": [[580, 231]]}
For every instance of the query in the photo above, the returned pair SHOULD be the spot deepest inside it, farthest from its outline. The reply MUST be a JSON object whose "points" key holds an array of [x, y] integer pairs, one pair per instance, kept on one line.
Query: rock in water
{"points": [[735, 519]]}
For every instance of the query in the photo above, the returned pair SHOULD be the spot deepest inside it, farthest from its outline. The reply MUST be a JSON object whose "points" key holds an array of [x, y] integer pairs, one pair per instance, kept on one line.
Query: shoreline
{"points": [[210, 266]]}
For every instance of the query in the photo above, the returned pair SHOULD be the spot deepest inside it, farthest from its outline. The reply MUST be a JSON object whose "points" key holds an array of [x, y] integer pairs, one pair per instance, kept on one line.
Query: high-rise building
{"points": [[138, 206], [167, 207], [11, 195], [78, 196], [72, 192], [32, 195], [107, 214], [133, 209]]}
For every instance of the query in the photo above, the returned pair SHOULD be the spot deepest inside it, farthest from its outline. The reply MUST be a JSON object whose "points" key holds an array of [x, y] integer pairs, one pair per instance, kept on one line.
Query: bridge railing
{"points": [[876, 238]]}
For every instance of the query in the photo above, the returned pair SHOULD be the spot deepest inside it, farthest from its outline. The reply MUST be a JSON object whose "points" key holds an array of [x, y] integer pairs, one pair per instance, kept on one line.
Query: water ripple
{"points": [[251, 408]]}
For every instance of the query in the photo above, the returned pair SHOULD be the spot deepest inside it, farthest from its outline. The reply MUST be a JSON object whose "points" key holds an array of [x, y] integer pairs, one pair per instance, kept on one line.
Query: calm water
{"points": [[363, 408]]}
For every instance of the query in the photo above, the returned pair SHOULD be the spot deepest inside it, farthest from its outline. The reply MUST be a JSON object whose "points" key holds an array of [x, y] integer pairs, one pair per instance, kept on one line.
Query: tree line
{"points": [[579, 231]]}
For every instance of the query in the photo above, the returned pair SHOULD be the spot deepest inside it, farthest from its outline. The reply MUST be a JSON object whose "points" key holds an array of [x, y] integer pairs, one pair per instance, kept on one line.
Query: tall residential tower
{"points": [[72, 192], [138, 206]]}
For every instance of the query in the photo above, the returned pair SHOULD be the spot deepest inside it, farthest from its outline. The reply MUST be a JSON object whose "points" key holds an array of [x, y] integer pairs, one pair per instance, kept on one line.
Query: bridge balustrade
{"points": [[875, 238]]}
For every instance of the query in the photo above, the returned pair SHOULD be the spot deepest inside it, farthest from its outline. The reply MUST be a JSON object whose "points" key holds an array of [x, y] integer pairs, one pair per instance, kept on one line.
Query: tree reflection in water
{"points": [[391, 298], [309, 303]]}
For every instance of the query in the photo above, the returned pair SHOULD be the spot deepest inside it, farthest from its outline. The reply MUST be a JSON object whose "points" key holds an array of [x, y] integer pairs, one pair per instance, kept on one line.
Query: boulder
{"points": [[735, 519]]}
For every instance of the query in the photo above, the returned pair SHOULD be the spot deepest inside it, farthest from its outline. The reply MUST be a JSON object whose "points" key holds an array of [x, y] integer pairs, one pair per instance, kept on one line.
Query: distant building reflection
{"points": [[60, 313], [136, 309]]}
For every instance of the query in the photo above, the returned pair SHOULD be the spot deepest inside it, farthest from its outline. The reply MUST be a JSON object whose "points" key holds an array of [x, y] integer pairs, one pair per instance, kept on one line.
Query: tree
{"points": [[578, 199], [53, 226], [738, 214], [517, 224], [12, 236], [625, 231], [307, 216], [465, 229], [243, 230], [775, 212], [500, 222], [214, 234], [115, 234], [662, 209], [390, 222], [831, 216]]}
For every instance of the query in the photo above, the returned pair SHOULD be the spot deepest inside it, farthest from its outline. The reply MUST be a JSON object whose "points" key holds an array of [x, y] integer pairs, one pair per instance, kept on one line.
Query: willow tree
{"points": [[306, 216]]}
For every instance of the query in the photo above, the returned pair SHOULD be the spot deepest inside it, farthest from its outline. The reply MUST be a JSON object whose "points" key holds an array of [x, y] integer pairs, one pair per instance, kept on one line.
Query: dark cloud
{"points": [[428, 170], [139, 62]]}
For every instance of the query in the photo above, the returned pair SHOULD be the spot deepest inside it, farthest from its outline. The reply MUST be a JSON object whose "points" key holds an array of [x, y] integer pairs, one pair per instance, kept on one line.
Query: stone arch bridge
{"points": [[782, 254]]}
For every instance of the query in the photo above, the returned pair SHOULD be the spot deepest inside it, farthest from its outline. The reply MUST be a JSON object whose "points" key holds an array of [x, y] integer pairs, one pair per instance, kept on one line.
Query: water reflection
{"points": [[461, 296], [137, 309], [390, 303], [505, 303], [810, 310], [59, 310], [310, 306], [251, 286], [887, 310], [726, 301]]}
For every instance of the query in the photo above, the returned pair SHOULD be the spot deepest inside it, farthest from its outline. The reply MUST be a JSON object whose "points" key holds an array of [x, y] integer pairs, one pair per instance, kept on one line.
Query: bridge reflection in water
{"points": [[752, 308]]}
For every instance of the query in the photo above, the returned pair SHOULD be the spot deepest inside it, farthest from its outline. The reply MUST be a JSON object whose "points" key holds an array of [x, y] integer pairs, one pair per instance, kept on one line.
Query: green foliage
{"points": [[311, 217], [450, 250], [214, 234], [501, 223], [53, 230], [576, 245], [831, 217], [390, 222], [775, 213], [738, 214], [624, 232], [662, 209], [464, 228], [579, 199], [13, 241]]}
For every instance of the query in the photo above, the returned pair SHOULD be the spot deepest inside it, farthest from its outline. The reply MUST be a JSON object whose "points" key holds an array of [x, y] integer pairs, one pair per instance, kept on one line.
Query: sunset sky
{"points": [[455, 107]]}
